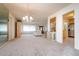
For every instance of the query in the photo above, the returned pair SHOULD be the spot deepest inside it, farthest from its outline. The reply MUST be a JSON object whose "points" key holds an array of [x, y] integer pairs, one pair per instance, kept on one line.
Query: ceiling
{"points": [[3, 13], [39, 11]]}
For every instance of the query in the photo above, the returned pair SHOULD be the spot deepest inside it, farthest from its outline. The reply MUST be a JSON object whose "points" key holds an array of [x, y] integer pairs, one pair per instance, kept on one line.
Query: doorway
{"points": [[68, 28], [53, 27], [18, 25]]}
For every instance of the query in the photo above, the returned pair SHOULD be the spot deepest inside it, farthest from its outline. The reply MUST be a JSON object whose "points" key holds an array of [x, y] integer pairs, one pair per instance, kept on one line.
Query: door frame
{"points": [[66, 28]]}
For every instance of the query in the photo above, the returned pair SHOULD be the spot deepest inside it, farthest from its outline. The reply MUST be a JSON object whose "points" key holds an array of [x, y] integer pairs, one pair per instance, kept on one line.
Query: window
{"points": [[3, 27], [29, 28]]}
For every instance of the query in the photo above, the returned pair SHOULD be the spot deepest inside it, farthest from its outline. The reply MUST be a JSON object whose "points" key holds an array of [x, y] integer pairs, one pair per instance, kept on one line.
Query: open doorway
{"points": [[68, 30], [53, 27], [18, 29]]}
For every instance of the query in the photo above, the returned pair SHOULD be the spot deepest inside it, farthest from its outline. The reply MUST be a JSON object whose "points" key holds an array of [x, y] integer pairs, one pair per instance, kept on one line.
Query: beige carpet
{"points": [[3, 39], [29, 45]]}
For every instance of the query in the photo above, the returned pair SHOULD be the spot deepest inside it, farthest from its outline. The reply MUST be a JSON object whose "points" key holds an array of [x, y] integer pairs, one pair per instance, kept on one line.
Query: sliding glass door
{"points": [[3, 32]]}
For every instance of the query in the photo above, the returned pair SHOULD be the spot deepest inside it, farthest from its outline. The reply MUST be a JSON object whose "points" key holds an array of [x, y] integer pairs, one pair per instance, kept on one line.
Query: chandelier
{"points": [[28, 18]]}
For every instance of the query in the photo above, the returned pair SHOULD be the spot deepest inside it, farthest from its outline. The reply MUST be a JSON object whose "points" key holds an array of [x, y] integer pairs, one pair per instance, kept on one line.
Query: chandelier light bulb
{"points": [[28, 18], [24, 18]]}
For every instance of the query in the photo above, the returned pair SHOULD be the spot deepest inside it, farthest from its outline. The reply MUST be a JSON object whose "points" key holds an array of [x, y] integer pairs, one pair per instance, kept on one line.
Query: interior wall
{"points": [[59, 23], [77, 28], [59, 28], [11, 26], [48, 28]]}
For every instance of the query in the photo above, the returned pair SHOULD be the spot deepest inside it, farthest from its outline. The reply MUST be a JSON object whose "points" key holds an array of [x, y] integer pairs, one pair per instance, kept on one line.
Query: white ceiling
{"points": [[39, 11]]}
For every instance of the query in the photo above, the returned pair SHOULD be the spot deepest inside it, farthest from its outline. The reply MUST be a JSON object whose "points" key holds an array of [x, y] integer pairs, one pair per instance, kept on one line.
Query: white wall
{"points": [[59, 23], [48, 29], [59, 27], [11, 27], [76, 28]]}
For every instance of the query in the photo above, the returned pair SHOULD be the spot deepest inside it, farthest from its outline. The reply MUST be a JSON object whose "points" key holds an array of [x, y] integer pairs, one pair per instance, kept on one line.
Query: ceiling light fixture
{"points": [[28, 18]]}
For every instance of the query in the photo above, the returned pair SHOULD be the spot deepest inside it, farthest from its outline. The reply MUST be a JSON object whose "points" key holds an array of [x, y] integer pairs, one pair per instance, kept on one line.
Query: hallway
{"points": [[29, 45]]}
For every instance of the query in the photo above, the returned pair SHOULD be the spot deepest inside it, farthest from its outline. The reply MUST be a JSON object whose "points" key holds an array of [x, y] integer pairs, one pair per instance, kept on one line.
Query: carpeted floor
{"points": [[29, 45], [3, 39]]}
